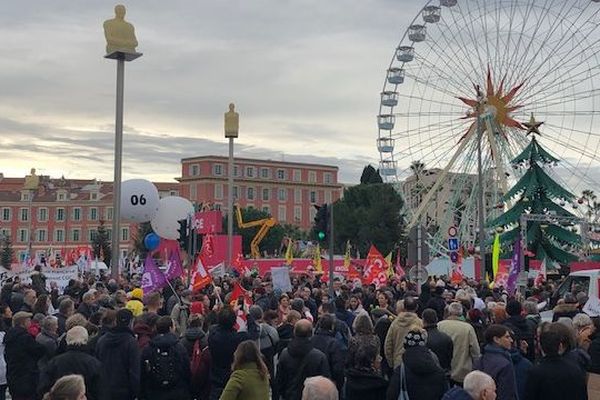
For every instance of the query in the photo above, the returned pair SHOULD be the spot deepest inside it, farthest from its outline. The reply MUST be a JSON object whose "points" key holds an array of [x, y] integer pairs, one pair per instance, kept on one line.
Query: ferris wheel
{"points": [[467, 74]]}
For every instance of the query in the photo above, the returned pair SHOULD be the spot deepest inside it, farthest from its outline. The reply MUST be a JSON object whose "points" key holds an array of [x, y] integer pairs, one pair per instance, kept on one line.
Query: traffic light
{"points": [[322, 222], [183, 234]]}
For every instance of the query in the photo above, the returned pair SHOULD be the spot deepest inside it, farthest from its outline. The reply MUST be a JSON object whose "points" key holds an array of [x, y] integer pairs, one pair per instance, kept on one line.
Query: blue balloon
{"points": [[151, 241]]}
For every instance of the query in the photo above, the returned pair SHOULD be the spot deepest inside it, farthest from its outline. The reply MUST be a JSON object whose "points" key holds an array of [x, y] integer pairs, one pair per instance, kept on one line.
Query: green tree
{"points": [[369, 214], [536, 193], [101, 244], [271, 242], [7, 253], [370, 175], [591, 205]]}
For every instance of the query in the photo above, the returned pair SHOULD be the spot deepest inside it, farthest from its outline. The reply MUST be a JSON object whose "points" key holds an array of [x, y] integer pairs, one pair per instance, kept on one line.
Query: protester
{"points": [[324, 339], [250, 377], [3, 329], [299, 361], [118, 352], [285, 331], [135, 305], [438, 342], [48, 338], [406, 320], [364, 335], [419, 374], [181, 312], [70, 387], [22, 354], [319, 388], [464, 340], [363, 379], [477, 386], [523, 331], [75, 360], [66, 308], [165, 372], [267, 337], [194, 335]]}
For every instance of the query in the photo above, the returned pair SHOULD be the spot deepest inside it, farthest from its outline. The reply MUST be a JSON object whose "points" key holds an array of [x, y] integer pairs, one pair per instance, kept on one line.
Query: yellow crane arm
{"points": [[260, 235], [251, 224]]}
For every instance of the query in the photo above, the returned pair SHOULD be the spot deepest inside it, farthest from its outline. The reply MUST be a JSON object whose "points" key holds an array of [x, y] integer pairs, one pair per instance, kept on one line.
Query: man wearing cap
{"points": [[121, 361], [22, 353], [181, 312]]}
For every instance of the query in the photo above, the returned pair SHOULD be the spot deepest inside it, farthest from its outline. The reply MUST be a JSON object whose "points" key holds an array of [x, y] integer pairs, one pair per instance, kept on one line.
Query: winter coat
{"points": [[93, 341], [357, 342], [62, 321], [457, 393], [77, 361], [556, 378], [441, 344], [143, 334], [87, 309], [394, 340], [438, 304], [190, 337], [466, 346], [22, 354], [594, 352], [222, 344], [497, 363], [246, 383], [522, 366], [286, 333], [2, 361], [345, 316], [564, 310], [50, 343], [523, 331], [179, 389], [180, 315], [299, 361], [363, 384], [267, 302], [120, 356], [425, 379], [336, 354]]}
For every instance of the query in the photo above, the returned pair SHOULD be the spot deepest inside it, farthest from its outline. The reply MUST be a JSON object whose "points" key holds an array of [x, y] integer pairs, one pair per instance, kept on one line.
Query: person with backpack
{"points": [[195, 342], [250, 377], [325, 340], [165, 365], [266, 337]]}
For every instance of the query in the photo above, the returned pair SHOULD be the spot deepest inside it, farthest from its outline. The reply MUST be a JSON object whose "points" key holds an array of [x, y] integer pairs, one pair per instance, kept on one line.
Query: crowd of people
{"points": [[105, 339]]}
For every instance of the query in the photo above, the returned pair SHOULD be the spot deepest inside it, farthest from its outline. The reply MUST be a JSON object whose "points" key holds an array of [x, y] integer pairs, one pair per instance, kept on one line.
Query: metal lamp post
{"points": [[232, 128], [480, 109]]}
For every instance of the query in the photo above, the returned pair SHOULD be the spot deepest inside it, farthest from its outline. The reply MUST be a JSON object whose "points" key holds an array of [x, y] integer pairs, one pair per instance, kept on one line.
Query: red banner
{"points": [[375, 268], [208, 222]]}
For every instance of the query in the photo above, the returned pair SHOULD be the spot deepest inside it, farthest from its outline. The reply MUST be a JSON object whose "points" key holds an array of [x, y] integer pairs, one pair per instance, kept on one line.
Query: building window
{"points": [[94, 196], [249, 172], [108, 213], [77, 214], [327, 196], [282, 194], [218, 169], [5, 232], [61, 196], [281, 174], [265, 173], [265, 194], [60, 214], [125, 234], [313, 196], [297, 213], [24, 217], [42, 214], [93, 213], [41, 235], [235, 192], [23, 235], [92, 234], [281, 213], [76, 235], [218, 191], [250, 192], [59, 235], [297, 195], [327, 178], [236, 171], [312, 177], [193, 192], [217, 206], [195, 170], [6, 214], [24, 196], [297, 175]]}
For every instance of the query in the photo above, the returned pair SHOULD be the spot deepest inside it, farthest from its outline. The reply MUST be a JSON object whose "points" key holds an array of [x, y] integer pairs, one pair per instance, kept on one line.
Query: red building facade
{"points": [[286, 190], [60, 214]]}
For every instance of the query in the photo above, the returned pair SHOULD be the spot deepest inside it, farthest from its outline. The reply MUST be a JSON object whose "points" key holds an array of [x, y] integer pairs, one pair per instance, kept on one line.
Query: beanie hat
{"points": [[137, 293], [415, 338]]}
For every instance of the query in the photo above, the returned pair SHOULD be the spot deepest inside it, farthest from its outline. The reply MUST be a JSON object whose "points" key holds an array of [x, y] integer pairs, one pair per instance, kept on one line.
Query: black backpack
{"points": [[161, 366]]}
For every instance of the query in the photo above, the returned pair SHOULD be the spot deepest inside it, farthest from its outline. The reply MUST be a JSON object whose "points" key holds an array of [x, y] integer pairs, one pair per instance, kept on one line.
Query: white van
{"points": [[587, 281]]}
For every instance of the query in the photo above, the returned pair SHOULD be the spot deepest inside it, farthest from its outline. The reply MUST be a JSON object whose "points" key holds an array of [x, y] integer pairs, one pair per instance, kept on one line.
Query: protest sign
{"points": [[281, 279], [59, 275]]}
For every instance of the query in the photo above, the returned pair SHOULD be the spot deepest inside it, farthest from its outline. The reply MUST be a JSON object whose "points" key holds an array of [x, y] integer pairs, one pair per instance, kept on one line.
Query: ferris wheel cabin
{"points": [[386, 121], [396, 76], [417, 33], [452, 3], [385, 145], [431, 14], [389, 99], [405, 53], [387, 168]]}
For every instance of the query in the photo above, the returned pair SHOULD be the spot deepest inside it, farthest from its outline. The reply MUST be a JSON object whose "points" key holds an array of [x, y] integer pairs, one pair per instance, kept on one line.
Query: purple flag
{"points": [[515, 267], [174, 268], [152, 279]]}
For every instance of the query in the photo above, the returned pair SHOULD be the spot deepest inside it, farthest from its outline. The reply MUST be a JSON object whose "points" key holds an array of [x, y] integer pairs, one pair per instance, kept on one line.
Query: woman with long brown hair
{"points": [[69, 387], [250, 377]]}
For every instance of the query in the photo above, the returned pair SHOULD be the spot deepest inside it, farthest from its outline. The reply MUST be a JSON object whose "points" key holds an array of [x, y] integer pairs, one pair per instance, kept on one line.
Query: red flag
{"points": [[200, 277], [457, 273], [240, 265], [238, 291], [375, 268], [399, 270]]}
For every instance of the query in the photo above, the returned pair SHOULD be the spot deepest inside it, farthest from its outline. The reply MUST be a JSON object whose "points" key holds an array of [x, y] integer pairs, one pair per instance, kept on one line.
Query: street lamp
{"points": [[480, 109], [232, 128], [120, 46]]}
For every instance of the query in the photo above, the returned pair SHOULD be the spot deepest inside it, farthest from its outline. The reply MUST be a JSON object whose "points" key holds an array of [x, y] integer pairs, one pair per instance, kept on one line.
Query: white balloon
{"points": [[139, 200], [171, 210]]}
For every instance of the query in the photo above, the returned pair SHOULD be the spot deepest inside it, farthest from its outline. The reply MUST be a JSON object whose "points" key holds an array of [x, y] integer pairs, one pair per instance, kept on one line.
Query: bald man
{"points": [[300, 360]]}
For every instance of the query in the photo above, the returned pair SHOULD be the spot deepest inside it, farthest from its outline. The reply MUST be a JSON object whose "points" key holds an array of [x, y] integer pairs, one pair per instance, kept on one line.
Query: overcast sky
{"points": [[305, 76]]}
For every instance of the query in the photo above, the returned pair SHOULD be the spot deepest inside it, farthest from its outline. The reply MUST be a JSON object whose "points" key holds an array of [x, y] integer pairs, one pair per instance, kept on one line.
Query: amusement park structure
{"points": [[264, 223]]}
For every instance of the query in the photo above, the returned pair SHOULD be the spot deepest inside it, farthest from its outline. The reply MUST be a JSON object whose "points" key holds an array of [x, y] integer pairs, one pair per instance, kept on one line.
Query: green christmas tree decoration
{"points": [[537, 193]]}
